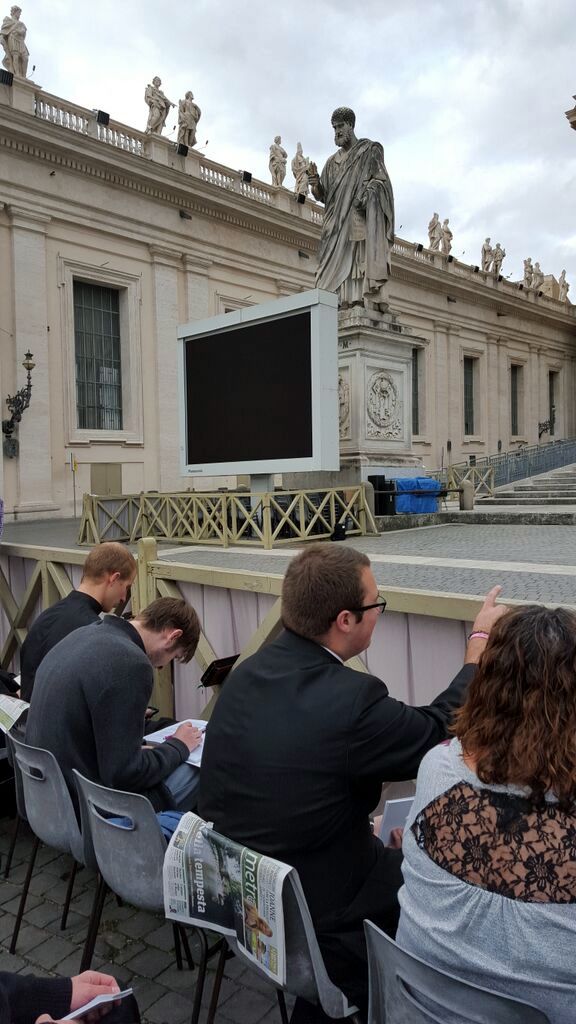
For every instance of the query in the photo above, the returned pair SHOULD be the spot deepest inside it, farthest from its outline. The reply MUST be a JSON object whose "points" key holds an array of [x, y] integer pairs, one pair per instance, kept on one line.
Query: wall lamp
{"points": [[17, 404]]}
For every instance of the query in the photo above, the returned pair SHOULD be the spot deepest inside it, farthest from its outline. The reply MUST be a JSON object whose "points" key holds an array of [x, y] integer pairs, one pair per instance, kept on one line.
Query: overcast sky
{"points": [[467, 96]]}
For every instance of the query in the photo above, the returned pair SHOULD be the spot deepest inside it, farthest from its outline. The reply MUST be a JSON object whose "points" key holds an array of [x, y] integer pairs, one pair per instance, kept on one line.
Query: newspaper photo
{"points": [[10, 710], [218, 884]]}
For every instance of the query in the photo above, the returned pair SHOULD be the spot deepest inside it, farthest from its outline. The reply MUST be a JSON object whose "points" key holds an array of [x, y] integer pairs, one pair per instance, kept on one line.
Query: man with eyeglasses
{"points": [[299, 745]]}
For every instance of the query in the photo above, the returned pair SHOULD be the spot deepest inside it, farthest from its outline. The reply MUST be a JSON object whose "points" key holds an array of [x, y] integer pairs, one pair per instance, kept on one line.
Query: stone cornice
{"points": [[168, 257], [159, 182]]}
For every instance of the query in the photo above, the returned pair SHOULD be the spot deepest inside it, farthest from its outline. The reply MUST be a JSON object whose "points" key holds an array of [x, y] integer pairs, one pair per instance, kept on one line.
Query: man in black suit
{"points": [[299, 745]]}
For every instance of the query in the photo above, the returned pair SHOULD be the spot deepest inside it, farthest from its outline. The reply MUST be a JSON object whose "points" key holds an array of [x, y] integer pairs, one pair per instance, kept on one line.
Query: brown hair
{"points": [[519, 719], [109, 558], [173, 613], [319, 583]]}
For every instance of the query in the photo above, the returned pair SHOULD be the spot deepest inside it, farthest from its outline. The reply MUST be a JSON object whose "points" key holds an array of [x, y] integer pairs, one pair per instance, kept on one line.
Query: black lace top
{"points": [[499, 842]]}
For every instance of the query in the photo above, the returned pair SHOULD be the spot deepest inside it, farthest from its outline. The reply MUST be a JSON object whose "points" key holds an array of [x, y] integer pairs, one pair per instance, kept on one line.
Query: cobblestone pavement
{"points": [[533, 563], [134, 946]]}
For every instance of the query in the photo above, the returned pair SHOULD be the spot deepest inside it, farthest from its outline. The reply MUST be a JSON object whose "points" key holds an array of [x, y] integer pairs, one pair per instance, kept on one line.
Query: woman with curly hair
{"points": [[490, 847]]}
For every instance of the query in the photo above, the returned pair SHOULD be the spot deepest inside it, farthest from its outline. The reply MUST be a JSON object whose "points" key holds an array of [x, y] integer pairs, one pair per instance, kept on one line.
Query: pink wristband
{"points": [[478, 633]]}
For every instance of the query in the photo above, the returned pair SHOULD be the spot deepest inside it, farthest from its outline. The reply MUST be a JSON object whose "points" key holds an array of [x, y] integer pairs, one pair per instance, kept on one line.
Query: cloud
{"points": [[467, 98]]}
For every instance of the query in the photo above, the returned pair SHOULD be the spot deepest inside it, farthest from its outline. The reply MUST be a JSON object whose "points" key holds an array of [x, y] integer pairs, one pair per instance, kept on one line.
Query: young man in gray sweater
{"points": [[90, 699]]}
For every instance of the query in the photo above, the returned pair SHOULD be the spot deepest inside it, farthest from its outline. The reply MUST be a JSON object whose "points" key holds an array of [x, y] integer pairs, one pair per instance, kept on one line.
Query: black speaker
{"points": [[475, 269], [6, 77], [500, 278], [419, 247], [246, 177], [300, 198], [185, 215], [181, 149], [450, 259], [520, 287], [102, 118]]}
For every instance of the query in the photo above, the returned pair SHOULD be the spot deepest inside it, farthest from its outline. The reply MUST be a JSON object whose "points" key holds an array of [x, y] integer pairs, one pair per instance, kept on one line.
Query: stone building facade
{"points": [[109, 239]]}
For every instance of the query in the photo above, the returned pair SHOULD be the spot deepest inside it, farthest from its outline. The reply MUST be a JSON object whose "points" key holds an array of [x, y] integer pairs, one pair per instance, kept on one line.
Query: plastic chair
{"points": [[130, 857], [306, 975], [20, 805], [398, 982], [50, 813]]}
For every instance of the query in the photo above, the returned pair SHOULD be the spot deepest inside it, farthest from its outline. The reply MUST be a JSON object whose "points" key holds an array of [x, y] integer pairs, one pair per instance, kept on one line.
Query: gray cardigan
{"points": [[91, 692], [522, 949]]}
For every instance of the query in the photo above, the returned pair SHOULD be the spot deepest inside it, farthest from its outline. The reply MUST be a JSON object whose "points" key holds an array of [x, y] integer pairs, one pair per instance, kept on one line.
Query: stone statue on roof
{"points": [[158, 107], [434, 233], [189, 114], [278, 161], [354, 258], [300, 164], [447, 237], [12, 37]]}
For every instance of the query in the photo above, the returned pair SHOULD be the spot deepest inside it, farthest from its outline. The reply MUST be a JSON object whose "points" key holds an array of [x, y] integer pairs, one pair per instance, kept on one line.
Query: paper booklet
{"points": [[10, 710], [195, 756]]}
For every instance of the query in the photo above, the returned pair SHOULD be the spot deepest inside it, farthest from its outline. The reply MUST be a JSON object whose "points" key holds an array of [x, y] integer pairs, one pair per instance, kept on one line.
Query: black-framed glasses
{"points": [[380, 603]]}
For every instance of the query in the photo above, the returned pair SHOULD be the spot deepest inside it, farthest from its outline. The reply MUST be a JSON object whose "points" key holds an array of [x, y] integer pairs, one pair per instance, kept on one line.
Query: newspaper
{"points": [[215, 883], [10, 710]]}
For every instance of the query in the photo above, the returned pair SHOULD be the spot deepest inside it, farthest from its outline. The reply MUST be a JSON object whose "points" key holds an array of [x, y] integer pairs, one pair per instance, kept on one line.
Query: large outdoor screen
{"points": [[260, 388]]}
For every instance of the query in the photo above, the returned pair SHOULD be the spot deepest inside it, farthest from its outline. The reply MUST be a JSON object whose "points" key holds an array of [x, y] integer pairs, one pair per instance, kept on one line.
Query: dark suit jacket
{"points": [[294, 758], [76, 610]]}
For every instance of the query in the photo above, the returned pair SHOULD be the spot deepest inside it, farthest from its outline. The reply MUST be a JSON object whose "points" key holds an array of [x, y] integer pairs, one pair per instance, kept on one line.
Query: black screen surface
{"points": [[249, 394]]}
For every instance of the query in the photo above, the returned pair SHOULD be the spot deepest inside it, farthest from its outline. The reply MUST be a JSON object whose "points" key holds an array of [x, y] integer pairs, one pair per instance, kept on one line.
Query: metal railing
{"points": [[507, 467], [226, 517]]}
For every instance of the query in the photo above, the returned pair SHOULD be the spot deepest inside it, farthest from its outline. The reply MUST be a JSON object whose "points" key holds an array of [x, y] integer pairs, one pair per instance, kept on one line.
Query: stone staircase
{"points": [[555, 488]]}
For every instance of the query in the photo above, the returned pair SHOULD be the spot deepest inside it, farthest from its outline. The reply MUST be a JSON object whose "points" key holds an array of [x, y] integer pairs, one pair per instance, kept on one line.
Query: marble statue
{"points": [[497, 258], [159, 107], [434, 233], [278, 161], [12, 37], [447, 237], [354, 257], [189, 114], [487, 255], [537, 277], [528, 272], [563, 287], [299, 166]]}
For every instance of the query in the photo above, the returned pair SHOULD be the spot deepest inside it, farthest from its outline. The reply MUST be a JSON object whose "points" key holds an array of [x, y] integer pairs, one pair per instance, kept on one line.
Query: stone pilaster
{"points": [[166, 265], [31, 332], [197, 287]]}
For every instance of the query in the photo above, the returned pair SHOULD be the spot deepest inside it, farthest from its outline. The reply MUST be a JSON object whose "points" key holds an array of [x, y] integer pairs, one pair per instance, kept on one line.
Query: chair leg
{"points": [[201, 979], [177, 946], [69, 891], [282, 1006], [24, 895], [12, 846], [94, 924], [186, 947], [217, 984]]}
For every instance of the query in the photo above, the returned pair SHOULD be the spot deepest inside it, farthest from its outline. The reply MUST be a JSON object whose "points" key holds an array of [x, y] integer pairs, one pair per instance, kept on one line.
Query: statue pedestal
{"points": [[375, 399]]}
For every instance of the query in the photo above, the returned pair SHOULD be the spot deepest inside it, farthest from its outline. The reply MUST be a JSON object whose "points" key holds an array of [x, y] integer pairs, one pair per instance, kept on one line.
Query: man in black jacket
{"points": [[107, 576], [299, 745]]}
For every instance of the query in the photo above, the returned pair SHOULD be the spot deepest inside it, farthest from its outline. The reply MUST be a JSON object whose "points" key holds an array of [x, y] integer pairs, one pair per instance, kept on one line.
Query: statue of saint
{"points": [[278, 161], [447, 237], [563, 287], [300, 164], [358, 229], [189, 114], [537, 277], [159, 107], [12, 37], [434, 233], [487, 255], [528, 272], [497, 258]]}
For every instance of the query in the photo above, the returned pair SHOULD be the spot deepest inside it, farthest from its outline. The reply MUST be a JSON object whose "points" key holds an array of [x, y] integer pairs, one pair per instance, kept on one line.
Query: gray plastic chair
{"points": [[399, 981], [130, 857], [306, 975], [50, 814], [20, 805]]}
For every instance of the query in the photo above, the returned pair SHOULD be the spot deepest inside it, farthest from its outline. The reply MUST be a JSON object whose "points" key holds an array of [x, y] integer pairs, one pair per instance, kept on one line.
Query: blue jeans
{"points": [[183, 785]]}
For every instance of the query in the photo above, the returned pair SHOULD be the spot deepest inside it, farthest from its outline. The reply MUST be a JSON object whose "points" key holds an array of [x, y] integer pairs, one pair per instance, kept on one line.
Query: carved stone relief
{"points": [[383, 406], [344, 404]]}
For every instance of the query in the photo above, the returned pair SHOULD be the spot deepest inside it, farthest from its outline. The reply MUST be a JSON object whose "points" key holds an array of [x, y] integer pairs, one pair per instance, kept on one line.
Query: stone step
{"points": [[511, 499]]}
